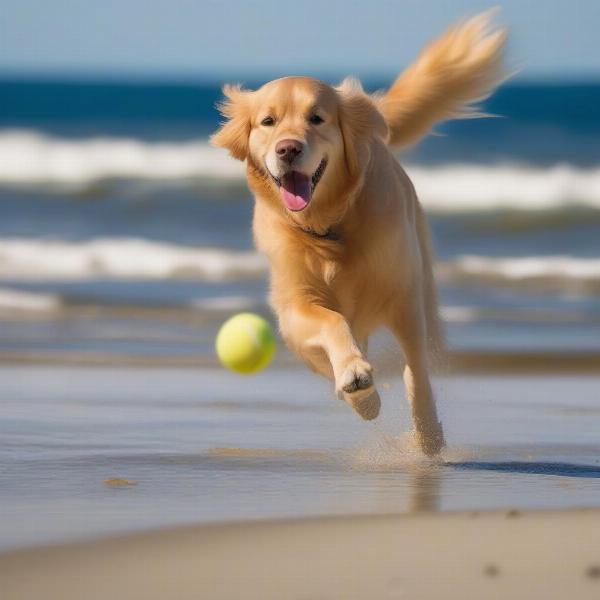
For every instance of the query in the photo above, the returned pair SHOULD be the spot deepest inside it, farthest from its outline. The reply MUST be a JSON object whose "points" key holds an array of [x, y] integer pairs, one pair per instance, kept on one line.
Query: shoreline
{"points": [[457, 361], [499, 554]]}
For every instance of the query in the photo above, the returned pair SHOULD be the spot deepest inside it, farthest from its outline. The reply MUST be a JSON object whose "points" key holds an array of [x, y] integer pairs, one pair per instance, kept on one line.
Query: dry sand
{"points": [[510, 554]]}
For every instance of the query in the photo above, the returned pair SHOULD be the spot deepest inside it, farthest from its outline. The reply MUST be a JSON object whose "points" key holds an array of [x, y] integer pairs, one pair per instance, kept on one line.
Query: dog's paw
{"points": [[367, 406], [357, 389], [357, 378]]}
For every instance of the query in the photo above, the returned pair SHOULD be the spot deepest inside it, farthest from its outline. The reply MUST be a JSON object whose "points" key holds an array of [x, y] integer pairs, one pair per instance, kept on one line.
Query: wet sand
{"points": [[509, 554], [90, 452]]}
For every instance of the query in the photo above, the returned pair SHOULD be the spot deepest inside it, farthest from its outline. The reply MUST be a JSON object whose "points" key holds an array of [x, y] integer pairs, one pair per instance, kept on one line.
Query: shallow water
{"points": [[205, 445]]}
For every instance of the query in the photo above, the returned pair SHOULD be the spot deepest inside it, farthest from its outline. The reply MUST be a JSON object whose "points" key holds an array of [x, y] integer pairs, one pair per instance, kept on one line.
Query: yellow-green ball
{"points": [[245, 343]]}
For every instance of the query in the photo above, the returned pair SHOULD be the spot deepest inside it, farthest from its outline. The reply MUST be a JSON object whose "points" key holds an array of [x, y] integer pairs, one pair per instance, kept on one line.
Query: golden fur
{"points": [[358, 256]]}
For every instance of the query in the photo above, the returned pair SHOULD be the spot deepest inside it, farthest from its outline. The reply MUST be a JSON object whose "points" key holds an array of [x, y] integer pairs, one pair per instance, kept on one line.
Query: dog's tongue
{"points": [[295, 190]]}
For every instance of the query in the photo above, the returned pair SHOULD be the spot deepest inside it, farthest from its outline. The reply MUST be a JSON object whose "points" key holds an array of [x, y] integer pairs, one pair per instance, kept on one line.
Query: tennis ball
{"points": [[245, 343]]}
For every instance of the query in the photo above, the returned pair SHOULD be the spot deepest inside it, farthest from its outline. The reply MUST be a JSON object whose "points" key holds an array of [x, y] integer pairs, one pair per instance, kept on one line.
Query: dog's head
{"points": [[304, 141]]}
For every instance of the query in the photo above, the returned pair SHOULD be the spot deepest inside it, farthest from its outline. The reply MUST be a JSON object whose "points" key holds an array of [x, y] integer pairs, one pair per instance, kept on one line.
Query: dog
{"points": [[339, 219]]}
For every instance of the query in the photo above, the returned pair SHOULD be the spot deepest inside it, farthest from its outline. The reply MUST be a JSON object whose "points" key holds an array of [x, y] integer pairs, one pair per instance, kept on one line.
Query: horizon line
{"points": [[70, 75]]}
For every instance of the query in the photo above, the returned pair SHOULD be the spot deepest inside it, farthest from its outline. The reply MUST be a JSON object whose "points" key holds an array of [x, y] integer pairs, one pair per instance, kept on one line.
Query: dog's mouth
{"points": [[296, 188]]}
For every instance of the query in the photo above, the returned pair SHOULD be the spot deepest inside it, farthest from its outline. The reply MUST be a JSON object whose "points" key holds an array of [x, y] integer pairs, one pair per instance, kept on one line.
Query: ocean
{"points": [[125, 242], [123, 233]]}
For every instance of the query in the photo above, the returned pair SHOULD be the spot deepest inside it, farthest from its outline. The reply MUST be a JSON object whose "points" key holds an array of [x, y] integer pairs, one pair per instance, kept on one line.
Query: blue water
{"points": [[537, 123], [538, 127]]}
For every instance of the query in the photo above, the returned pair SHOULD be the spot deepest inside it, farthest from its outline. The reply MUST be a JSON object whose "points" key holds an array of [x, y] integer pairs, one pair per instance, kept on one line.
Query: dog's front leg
{"points": [[323, 338]]}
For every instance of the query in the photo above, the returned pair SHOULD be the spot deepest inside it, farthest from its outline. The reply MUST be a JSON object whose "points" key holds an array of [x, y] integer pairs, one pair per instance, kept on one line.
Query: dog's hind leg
{"points": [[324, 339], [411, 330]]}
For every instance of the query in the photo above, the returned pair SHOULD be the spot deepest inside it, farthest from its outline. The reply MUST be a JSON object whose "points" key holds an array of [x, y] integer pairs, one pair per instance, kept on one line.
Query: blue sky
{"points": [[549, 38]]}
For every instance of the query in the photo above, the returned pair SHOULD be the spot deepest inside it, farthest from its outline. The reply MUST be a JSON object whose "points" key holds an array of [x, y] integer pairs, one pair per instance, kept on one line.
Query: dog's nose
{"points": [[288, 150]]}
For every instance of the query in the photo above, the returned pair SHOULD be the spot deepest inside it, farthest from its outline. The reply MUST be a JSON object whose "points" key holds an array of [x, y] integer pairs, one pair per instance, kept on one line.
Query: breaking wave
{"points": [[30, 259], [24, 259], [28, 158], [465, 188], [568, 273], [11, 299]]}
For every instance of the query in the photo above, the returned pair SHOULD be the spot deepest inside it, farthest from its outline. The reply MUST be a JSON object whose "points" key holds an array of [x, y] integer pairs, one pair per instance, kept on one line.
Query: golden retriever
{"points": [[339, 219]]}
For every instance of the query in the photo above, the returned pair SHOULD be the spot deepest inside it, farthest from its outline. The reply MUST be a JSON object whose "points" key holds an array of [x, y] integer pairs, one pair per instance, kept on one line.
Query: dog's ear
{"points": [[235, 131], [360, 121]]}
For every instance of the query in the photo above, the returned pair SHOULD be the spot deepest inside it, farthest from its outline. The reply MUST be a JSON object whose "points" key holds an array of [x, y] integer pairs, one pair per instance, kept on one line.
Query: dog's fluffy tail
{"points": [[451, 75]]}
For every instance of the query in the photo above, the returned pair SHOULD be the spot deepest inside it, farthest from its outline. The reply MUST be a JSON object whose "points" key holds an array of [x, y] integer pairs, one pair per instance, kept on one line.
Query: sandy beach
{"points": [[509, 554]]}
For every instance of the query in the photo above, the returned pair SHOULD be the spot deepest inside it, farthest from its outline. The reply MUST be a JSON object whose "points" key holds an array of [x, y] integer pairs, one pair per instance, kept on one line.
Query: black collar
{"points": [[330, 235]]}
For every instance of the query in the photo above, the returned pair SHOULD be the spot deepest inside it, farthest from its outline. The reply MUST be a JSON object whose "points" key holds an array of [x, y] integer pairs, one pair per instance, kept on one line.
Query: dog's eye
{"points": [[315, 119], [268, 121]]}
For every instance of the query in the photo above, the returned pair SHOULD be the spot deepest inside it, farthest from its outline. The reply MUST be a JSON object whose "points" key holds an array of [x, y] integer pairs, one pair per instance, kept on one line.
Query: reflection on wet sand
{"points": [[418, 482], [424, 489]]}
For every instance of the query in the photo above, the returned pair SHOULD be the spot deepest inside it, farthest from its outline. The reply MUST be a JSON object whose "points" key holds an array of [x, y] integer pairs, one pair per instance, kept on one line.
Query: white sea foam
{"points": [[125, 258], [558, 270], [459, 314], [226, 303], [11, 299], [28, 158], [33, 259], [466, 188]]}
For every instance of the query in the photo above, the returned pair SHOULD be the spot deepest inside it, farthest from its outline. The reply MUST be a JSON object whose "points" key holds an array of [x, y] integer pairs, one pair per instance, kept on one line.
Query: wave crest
{"points": [[558, 272], [465, 188], [25, 259], [19, 300], [28, 158]]}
